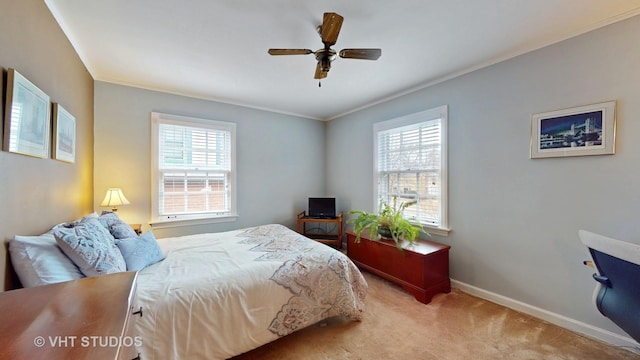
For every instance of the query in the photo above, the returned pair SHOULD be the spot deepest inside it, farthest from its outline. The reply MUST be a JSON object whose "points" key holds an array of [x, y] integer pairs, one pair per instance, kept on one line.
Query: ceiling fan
{"points": [[329, 31]]}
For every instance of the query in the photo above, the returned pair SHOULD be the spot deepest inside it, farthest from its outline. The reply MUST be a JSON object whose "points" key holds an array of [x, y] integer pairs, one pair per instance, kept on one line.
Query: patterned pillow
{"points": [[140, 252], [91, 247], [118, 228], [70, 224]]}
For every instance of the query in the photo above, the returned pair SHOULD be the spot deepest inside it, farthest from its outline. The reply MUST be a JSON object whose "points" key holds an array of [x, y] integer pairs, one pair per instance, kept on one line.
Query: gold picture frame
{"points": [[64, 135], [27, 122]]}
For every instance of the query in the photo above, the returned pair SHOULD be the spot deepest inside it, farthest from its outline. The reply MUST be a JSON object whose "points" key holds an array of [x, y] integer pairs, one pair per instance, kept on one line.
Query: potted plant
{"points": [[388, 223]]}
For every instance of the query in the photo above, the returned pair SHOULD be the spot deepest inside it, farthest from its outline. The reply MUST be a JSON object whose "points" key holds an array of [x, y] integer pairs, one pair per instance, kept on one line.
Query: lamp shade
{"points": [[114, 198]]}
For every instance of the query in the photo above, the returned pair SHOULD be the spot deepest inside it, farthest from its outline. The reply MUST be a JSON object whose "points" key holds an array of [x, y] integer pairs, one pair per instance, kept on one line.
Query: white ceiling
{"points": [[217, 49]]}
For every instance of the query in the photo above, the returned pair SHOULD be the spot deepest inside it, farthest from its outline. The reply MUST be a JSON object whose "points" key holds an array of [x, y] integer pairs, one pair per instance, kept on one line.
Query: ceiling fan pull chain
{"points": [[319, 83]]}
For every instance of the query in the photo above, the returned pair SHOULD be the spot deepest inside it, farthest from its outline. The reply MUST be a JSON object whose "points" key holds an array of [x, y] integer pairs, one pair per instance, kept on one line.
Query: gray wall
{"points": [[37, 193], [280, 158], [515, 220]]}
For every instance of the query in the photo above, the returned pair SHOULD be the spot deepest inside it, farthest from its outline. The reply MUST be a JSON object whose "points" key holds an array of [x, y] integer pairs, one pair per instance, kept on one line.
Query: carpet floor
{"points": [[453, 326]]}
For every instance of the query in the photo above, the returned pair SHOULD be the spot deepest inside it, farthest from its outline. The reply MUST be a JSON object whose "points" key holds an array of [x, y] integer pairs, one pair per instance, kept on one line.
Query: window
{"points": [[193, 169], [410, 162]]}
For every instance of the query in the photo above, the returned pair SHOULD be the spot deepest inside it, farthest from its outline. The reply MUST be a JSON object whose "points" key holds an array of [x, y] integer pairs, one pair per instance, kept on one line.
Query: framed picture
{"points": [[64, 134], [579, 131], [27, 122]]}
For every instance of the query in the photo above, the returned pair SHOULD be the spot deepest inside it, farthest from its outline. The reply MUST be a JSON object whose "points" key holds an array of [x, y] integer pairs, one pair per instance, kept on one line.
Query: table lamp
{"points": [[114, 198]]}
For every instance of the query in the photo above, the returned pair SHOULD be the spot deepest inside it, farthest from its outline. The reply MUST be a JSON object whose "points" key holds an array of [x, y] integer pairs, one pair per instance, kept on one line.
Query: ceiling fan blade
{"points": [[330, 28], [319, 73], [364, 54], [290, 51]]}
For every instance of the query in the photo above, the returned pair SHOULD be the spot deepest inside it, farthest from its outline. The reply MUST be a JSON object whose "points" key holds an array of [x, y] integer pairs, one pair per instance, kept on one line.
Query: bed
{"points": [[221, 294], [217, 295]]}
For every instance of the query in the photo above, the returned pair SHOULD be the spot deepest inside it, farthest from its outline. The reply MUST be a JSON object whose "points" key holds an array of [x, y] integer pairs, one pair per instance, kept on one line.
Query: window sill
{"points": [[161, 224], [437, 231]]}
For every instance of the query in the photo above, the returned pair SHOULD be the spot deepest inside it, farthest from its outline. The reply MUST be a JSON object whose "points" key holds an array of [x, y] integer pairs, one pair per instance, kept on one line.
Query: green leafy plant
{"points": [[388, 222]]}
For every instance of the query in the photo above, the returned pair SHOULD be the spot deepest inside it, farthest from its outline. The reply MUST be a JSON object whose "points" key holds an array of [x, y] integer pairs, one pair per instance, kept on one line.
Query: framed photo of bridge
{"points": [[579, 131]]}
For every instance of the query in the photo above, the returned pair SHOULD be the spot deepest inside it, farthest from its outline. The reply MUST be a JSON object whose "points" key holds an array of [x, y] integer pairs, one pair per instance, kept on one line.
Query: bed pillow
{"points": [[91, 247], [118, 228], [140, 252], [38, 260], [69, 224]]}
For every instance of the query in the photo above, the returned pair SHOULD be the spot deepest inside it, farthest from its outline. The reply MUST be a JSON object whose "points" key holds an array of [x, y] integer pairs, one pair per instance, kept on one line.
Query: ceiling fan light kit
{"points": [[329, 31]]}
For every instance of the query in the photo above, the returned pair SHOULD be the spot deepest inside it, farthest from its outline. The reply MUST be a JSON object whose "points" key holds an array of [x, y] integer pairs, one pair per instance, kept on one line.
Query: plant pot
{"points": [[385, 233]]}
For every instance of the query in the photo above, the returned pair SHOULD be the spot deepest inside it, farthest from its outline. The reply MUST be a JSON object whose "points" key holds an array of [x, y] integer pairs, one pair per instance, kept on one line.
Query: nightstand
{"points": [[90, 318], [137, 228]]}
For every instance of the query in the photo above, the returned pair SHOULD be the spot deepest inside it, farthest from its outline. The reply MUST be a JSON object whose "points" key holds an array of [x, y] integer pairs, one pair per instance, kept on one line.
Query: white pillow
{"points": [[38, 260]]}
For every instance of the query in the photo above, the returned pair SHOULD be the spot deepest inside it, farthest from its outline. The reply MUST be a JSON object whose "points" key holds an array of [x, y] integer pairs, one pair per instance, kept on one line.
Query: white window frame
{"points": [[159, 221], [441, 113]]}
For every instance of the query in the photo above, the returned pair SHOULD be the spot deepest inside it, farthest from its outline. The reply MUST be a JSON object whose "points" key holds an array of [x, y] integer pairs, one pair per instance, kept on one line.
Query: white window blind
{"points": [[410, 164], [194, 168]]}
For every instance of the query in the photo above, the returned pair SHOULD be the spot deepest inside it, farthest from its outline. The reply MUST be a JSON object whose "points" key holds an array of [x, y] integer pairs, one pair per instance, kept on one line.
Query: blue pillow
{"points": [[140, 252], [118, 228], [90, 246]]}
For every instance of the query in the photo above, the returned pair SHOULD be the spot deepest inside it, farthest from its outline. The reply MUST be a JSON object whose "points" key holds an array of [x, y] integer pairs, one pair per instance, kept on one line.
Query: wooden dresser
{"points": [[422, 268], [90, 318]]}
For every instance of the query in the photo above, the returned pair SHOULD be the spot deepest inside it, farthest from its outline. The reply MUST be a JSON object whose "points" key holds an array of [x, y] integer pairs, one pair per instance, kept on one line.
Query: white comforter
{"points": [[221, 294]]}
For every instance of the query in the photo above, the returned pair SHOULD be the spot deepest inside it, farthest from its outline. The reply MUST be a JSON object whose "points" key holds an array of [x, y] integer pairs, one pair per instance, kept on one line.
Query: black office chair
{"points": [[618, 290]]}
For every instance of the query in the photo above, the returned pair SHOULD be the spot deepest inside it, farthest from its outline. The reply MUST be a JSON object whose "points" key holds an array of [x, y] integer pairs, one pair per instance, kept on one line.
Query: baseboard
{"points": [[556, 319]]}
